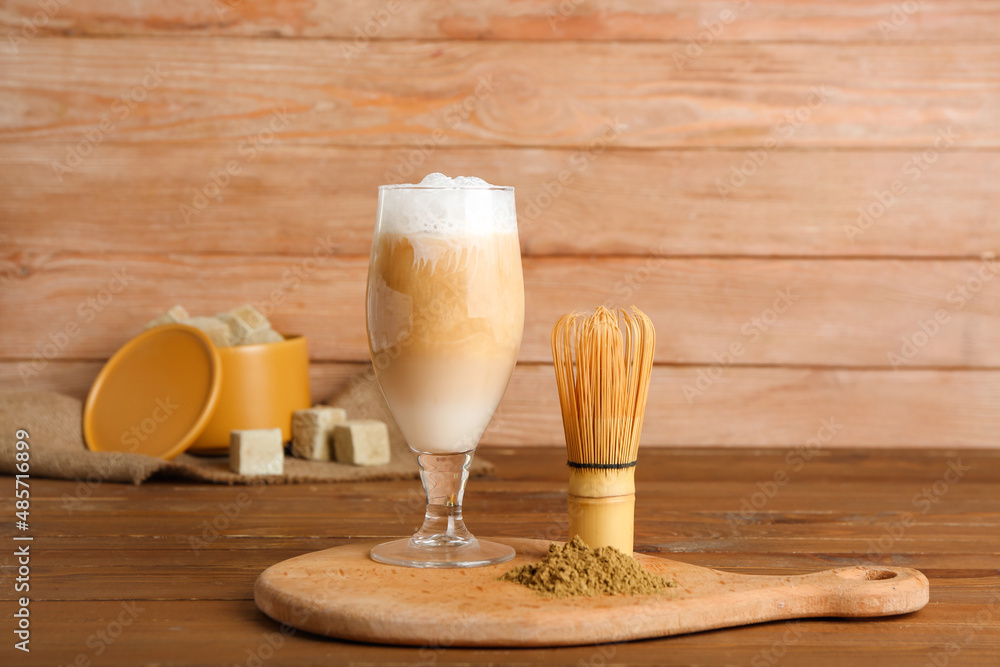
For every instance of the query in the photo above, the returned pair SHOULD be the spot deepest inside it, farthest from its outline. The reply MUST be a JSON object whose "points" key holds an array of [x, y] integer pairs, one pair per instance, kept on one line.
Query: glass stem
{"points": [[444, 477]]}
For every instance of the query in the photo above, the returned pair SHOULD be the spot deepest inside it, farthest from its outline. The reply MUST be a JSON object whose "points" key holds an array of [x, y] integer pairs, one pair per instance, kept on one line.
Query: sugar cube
{"points": [[216, 329], [242, 322], [312, 430], [362, 443], [268, 335], [172, 316], [258, 451]]}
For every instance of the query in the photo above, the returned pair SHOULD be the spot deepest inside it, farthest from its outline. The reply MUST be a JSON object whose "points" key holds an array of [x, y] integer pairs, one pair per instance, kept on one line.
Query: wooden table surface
{"points": [[163, 573]]}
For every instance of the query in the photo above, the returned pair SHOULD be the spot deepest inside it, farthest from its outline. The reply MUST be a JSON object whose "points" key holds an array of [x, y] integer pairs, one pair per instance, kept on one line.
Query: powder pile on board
{"points": [[574, 569]]}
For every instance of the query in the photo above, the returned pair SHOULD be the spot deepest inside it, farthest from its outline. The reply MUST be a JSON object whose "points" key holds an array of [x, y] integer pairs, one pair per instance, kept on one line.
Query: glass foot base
{"points": [[475, 553]]}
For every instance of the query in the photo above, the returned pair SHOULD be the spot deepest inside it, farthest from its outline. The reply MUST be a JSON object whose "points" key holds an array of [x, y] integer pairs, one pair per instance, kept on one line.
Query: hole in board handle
{"points": [[867, 573]]}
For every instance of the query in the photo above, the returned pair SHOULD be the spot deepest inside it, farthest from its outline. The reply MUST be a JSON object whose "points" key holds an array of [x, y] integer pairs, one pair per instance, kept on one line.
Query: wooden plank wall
{"points": [[802, 195]]}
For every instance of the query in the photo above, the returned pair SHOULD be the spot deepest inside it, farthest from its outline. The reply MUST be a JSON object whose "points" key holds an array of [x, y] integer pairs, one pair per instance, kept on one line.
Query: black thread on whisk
{"points": [[601, 466]]}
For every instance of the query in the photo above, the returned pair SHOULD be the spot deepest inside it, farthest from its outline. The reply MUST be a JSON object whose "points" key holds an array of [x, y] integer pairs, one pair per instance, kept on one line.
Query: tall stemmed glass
{"points": [[445, 317]]}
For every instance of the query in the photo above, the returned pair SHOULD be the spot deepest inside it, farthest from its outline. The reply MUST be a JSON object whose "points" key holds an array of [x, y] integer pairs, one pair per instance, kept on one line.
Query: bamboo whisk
{"points": [[603, 404]]}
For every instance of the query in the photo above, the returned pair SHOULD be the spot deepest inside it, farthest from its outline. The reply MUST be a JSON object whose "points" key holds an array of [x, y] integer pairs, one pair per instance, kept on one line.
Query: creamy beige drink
{"points": [[445, 307]]}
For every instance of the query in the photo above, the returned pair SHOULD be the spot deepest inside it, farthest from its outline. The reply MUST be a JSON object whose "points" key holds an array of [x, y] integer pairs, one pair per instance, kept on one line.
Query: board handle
{"points": [[863, 590]]}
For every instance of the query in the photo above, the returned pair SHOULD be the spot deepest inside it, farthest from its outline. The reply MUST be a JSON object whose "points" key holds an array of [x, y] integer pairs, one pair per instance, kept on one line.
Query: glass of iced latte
{"points": [[445, 316]]}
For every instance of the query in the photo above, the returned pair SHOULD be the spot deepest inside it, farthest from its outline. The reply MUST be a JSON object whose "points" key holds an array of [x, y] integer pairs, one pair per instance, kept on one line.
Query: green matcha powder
{"points": [[574, 569]]}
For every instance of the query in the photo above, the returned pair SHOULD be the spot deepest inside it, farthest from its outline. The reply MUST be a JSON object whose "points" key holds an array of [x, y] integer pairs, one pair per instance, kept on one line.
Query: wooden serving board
{"points": [[341, 592]]}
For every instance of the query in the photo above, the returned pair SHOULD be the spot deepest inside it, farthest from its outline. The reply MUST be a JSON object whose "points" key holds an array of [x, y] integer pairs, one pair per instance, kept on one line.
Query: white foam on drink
{"points": [[443, 207]]}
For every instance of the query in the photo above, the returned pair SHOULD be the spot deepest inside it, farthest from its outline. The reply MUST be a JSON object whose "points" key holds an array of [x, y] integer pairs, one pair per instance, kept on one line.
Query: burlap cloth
{"points": [[54, 422]]}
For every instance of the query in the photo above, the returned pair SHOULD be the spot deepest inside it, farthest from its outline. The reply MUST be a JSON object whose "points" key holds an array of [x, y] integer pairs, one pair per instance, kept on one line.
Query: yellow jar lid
{"points": [[155, 395]]}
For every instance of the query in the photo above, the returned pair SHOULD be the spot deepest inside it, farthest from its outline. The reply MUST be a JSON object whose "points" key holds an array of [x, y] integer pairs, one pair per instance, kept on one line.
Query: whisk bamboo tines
{"points": [[603, 364]]}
